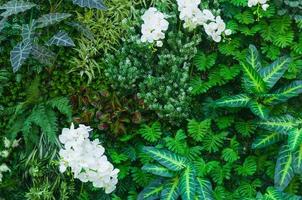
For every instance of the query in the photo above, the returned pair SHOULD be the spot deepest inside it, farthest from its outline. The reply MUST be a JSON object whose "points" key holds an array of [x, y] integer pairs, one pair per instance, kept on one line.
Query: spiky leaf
{"points": [[19, 54], [252, 58], [152, 191], [170, 192], [204, 189], [297, 164], [50, 19], [157, 170], [282, 124], [259, 109], [294, 139], [61, 39], [15, 7], [168, 159], [187, 185], [267, 139], [272, 73], [98, 4], [284, 171], [240, 100]]}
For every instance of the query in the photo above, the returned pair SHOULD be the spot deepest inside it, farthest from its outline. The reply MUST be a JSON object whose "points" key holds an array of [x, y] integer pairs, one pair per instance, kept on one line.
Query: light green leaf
{"points": [[284, 171], [298, 160], [50, 19], [152, 191], [15, 7], [187, 184], [168, 159], [170, 191], [197, 130], [253, 58], [204, 189], [157, 170], [2, 23], [240, 100], [272, 73], [151, 133], [282, 124], [61, 39], [267, 140], [19, 54], [259, 109], [294, 139], [98, 4]]}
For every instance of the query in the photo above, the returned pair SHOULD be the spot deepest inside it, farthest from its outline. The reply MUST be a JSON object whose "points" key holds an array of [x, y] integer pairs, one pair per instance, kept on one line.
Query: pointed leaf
{"points": [[43, 55], [157, 170], [98, 4], [19, 54], [50, 19], [28, 30], [240, 100], [15, 7], [298, 160], [168, 159], [272, 73], [253, 58], [152, 191], [259, 109], [187, 184], [282, 124], [2, 23], [294, 139], [284, 171], [82, 28], [61, 39], [204, 189], [170, 191], [267, 139], [253, 82]]}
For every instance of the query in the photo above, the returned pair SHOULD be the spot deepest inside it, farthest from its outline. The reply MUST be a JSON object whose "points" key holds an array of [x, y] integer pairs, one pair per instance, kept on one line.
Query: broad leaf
{"points": [[282, 124], [50, 19], [43, 55], [272, 73], [82, 28], [240, 100], [61, 39], [28, 30], [294, 139], [2, 23], [170, 191], [259, 109], [15, 7], [298, 160], [253, 58], [204, 190], [152, 191], [168, 159], [19, 54], [98, 4], [197, 130], [157, 170], [285, 93], [187, 185], [267, 140], [284, 171]]}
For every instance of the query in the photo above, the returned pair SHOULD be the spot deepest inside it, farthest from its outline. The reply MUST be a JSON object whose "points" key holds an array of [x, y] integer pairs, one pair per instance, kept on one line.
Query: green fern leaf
{"points": [[63, 106], [197, 130], [248, 168], [151, 133]]}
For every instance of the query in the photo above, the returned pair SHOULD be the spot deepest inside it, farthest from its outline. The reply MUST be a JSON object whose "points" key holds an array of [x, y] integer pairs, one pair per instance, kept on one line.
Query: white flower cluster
{"points": [[86, 158], [263, 3], [154, 27]]}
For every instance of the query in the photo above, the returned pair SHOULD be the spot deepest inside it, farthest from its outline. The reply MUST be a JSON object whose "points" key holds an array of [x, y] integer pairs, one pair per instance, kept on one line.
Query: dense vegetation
{"points": [[193, 114]]}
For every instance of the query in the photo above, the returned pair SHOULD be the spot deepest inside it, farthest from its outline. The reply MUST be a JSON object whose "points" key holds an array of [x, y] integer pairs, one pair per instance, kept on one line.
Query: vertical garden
{"points": [[150, 99]]}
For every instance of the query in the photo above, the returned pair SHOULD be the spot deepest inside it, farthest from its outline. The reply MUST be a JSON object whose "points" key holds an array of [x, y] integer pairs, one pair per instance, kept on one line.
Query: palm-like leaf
{"points": [[171, 191], [294, 139], [50, 19], [259, 109], [168, 159], [187, 185], [157, 170], [240, 100], [282, 124], [15, 7], [61, 39], [19, 54], [204, 189], [267, 140], [98, 4]]}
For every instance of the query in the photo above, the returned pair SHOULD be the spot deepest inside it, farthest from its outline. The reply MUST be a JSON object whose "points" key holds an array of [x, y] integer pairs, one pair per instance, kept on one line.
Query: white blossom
{"points": [[263, 3], [85, 158]]}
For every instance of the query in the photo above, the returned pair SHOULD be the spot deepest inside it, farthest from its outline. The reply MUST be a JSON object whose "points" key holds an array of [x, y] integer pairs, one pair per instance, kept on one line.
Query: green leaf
{"points": [[294, 139], [170, 191], [197, 130], [204, 189], [168, 159], [15, 7], [285, 93], [204, 62], [282, 124], [187, 184], [253, 82], [272, 73], [19, 54], [259, 109], [151, 133], [2, 23], [98, 4], [240, 100], [273, 194], [267, 139], [248, 168], [61, 39], [297, 163], [43, 55], [28, 31], [152, 191], [50, 19], [284, 171], [157, 170], [253, 58]]}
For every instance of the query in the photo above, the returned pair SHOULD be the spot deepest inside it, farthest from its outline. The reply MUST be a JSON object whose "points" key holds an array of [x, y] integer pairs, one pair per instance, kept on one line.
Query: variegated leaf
{"points": [[43, 55], [19, 54], [98, 4], [171, 190], [267, 139], [50, 19], [253, 57], [61, 39], [15, 7], [259, 109], [240, 100]]}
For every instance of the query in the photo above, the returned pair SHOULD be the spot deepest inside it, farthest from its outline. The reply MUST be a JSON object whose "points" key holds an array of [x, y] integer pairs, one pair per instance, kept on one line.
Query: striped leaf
{"points": [[170, 191], [187, 184], [272, 73], [240, 100], [43, 55], [281, 124], [284, 171], [252, 57], [168, 159], [15, 7], [157, 170], [28, 30], [50, 19], [98, 4], [285, 93], [298, 160], [61, 39], [152, 191], [253, 82], [267, 140], [259, 109], [204, 189], [19, 54], [2, 23], [294, 139], [272, 194]]}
